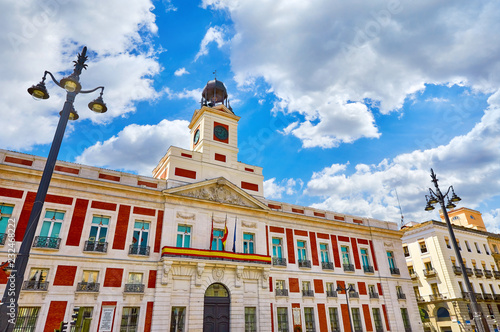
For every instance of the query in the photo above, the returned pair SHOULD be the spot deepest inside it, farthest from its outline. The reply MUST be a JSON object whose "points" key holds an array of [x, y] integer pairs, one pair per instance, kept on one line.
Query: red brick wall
{"points": [[19, 161], [342, 285], [379, 286], [271, 284], [300, 233], [368, 321], [103, 206], [59, 199], [293, 283], [149, 317], [113, 277], [77, 221], [185, 173], [335, 249], [384, 310], [345, 317], [314, 248], [274, 229], [57, 309], [318, 286], [374, 258], [323, 324], [67, 169], [159, 228], [11, 193], [290, 246], [25, 216], [152, 279], [249, 186], [144, 211], [355, 253], [121, 227], [362, 288], [267, 239], [272, 318], [65, 275]]}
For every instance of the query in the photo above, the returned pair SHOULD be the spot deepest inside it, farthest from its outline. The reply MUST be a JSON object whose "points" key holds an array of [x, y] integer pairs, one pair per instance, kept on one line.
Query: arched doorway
{"points": [[216, 310]]}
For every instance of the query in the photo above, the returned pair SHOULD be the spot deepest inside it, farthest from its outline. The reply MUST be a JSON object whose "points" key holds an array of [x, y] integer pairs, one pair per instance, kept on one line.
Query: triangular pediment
{"points": [[217, 190]]}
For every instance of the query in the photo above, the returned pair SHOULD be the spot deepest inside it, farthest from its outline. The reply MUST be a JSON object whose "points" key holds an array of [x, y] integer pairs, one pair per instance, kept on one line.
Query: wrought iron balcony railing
{"points": [[401, 296], [429, 273], [327, 265], [279, 261], [134, 288], [354, 295], [488, 274], [457, 270], [138, 250], [487, 297], [331, 293], [496, 297], [436, 297], [93, 246], [34, 285], [368, 268], [414, 275], [307, 292], [348, 267], [420, 299], [478, 272], [496, 274], [373, 295], [305, 263], [479, 296], [395, 270], [46, 242], [3, 237], [281, 292], [87, 287], [469, 271], [466, 295]]}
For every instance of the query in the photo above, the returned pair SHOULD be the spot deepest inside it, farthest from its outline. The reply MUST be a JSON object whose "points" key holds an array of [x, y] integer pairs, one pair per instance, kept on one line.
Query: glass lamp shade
{"points": [[97, 105], [455, 198], [71, 84], [429, 207], [39, 91], [450, 205], [433, 200], [73, 115]]}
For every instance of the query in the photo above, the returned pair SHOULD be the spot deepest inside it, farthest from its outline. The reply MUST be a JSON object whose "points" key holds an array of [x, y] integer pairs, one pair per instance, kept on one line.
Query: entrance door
{"points": [[216, 311]]}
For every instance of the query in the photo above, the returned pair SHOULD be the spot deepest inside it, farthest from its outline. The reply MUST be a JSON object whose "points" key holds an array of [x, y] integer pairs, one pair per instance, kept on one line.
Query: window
{"points": [[26, 319], [37, 279], [183, 236], [365, 259], [323, 248], [248, 243], [51, 227], [84, 319], [477, 248], [250, 320], [416, 291], [140, 238], [492, 289], [442, 314], [435, 289], [98, 233], [447, 242], [306, 289], [356, 319], [372, 291], [345, 255], [411, 270], [461, 286], [5, 214], [392, 262], [89, 282], [277, 247], [428, 266], [130, 317], [490, 309], [486, 249], [377, 319], [301, 250], [406, 319], [177, 318], [495, 248], [334, 319], [282, 320], [309, 319], [458, 245], [467, 246], [399, 292], [218, 234], [134, 283], [406, 251], [423, 247], [281, 288]]}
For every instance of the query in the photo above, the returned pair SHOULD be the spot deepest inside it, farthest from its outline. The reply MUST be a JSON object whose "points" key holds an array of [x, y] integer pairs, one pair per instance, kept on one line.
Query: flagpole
{"points": [[234, 240], [211, 234]]}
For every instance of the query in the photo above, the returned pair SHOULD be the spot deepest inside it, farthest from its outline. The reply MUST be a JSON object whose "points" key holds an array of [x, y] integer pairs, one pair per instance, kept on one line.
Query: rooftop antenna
{"points": [[400, 210]]}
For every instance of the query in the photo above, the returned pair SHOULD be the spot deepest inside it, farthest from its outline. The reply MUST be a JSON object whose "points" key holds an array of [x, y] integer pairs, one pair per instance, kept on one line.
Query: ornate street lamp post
{"points": [[347, 290], [9, 308], [438, 197]]}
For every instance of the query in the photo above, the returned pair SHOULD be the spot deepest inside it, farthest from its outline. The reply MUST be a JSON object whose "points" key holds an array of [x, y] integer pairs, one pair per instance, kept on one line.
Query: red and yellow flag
{"points": [[224, 237]]}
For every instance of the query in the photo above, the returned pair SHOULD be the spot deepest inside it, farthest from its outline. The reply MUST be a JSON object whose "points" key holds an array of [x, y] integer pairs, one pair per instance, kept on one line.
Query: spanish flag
{"points": [[224, 237]]}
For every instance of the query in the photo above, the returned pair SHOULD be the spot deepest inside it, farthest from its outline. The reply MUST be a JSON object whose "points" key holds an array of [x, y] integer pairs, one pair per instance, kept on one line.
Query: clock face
{"points": [[196, 137], [221, 133]]}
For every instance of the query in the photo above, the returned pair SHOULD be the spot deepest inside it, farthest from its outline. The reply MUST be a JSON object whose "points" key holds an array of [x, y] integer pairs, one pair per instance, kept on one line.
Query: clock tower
{"points": [[213, 149]]}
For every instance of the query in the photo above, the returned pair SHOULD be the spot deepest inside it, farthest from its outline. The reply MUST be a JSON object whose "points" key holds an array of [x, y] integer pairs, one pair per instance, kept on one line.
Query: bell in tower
{"points": [[215, 93]]}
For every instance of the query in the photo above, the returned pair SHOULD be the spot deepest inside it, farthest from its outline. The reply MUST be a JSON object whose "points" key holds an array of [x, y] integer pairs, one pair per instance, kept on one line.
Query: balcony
{"points": [[34, 285], [479, 297], [420, 299], [496, 274], [373, 295], [413, 275], [198, 254], [488, 274], [401, 296], [138, 250], [469, 272], [331, 293], [278, 261], [466, 295], [407, 254], [3, 238], [348, 267], [368, 268], [457, 270], [487, 297], [394, 270], [134, 288], [87, 287], [436, 297], [478, 272], [92, 246], [327, 265], [497, 297], [308, 292], [353, 295], [429, 273], [305, 263], [46, 242], [281, 292]]}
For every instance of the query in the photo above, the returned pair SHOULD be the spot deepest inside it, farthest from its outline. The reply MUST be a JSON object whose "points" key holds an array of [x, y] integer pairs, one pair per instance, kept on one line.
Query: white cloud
{"points": [[39, 37], [213, 34], [137, 148], [184, 94], [317, 57], [181, 71], [492, 220], [437, 100], [275, 190], [471, 163]]}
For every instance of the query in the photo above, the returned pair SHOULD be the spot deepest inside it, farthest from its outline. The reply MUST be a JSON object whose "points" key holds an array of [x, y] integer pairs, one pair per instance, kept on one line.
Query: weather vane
{"points": [[215, 74]]}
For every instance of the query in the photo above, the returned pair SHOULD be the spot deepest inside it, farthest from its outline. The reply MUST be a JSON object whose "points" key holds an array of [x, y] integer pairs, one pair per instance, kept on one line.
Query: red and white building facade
{"points": [[134, 253]]}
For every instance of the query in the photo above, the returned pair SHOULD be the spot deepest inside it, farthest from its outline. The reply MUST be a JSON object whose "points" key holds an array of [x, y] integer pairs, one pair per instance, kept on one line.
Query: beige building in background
{"points": [[438, 282]]}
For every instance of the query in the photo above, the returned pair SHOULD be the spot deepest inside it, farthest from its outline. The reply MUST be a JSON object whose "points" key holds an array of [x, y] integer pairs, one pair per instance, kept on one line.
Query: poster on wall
{"points": [[296, 316], [106, 319]]}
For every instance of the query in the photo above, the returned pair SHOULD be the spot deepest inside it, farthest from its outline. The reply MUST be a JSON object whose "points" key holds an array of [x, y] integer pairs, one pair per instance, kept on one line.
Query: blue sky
{"points": [[340, 103]]}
